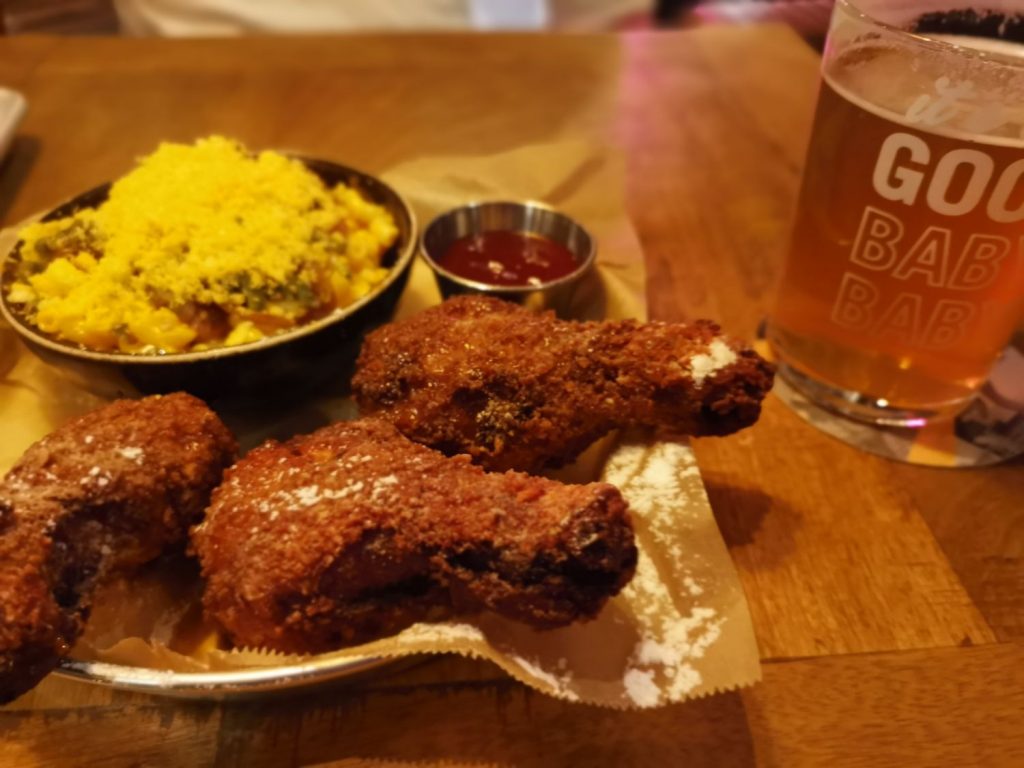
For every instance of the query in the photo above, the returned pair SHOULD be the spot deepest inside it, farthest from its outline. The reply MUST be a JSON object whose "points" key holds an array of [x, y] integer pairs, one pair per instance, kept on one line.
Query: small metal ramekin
{"points": [[533, 217]]}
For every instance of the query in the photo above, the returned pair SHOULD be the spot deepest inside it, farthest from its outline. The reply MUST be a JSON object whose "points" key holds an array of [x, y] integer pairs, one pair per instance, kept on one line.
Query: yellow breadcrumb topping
{"points": [[199, 246]]}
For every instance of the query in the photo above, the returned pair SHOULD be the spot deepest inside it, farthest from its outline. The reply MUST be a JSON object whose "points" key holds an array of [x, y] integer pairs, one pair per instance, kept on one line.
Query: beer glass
{"points": [[905, 274]]}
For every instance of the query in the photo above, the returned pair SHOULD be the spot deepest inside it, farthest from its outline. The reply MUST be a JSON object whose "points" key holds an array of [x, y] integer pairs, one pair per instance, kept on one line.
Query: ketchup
{"points": [[502, 257]]}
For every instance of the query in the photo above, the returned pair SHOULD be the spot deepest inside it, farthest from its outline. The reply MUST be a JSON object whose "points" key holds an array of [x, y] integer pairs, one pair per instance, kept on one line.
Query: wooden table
{"points": [[888, 599]]}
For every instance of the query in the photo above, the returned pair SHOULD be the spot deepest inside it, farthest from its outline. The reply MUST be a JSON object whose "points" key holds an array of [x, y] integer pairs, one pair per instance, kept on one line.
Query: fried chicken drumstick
{"points": [[354, 532], [519, 390], [103, 494]]}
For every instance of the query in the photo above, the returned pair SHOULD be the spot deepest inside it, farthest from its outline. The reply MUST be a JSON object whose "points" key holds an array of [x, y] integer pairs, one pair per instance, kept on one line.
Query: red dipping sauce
{"points": [[508, 258]]}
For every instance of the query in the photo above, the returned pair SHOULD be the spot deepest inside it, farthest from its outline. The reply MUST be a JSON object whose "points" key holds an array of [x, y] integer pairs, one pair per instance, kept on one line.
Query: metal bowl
{"points": [[530, 217], [291, 363]]}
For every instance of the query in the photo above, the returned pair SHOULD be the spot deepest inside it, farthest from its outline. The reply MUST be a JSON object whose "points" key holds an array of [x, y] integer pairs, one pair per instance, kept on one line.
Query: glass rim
{"points": [[942, 46]]}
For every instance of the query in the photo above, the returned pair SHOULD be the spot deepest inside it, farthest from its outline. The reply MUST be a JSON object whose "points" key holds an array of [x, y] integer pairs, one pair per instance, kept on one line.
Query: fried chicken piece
{"points": [[104, 493], [354, 533], [519, 390]]}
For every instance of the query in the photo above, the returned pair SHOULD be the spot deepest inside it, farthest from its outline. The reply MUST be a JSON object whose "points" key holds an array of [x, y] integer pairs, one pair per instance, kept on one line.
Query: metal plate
{"points": [[218, 685]]}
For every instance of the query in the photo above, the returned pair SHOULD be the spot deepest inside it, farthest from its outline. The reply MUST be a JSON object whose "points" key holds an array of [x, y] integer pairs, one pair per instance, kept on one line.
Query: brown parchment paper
{"points": [[680, 629]]}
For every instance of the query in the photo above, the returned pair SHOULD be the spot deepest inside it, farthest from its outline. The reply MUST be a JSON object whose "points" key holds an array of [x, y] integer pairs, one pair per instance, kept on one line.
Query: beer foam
{"points": [[900, 83]]}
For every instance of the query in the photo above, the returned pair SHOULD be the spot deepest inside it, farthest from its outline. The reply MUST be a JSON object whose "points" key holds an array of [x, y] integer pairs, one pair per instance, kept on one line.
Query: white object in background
{"points": [[509, 14], [12, 109], [220, 18]]}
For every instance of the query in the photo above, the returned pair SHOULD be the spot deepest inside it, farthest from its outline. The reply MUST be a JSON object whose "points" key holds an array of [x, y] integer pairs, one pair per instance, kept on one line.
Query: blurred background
{"points": [[190, 18]]}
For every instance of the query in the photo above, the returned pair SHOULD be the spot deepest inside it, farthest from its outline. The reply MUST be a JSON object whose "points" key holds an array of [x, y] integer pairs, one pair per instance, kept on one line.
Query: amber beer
{"points": [[905, 274]]}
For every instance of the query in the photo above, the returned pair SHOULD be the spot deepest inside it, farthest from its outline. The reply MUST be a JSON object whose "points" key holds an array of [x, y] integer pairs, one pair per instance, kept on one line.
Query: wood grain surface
{"points": [[888, 599]]}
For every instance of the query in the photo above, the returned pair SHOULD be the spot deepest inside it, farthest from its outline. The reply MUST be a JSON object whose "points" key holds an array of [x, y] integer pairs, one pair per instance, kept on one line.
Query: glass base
{"points": [[988, 429], [854, 405]]}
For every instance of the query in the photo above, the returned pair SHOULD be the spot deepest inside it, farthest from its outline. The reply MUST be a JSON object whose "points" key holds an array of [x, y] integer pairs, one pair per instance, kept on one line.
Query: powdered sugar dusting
{"points": [[661, 483], [382, 487], [310, 495], [671, 650], [351, 478], [95, 476], [653, 482], [718, 356], [668, 643], [307, 496], [560, 683], [132, 453], [692, 586], [641, 688]]}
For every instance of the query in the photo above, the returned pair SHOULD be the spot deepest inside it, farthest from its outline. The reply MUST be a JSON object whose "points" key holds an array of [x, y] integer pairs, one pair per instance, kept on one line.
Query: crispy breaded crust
{"points": [[354, 532], [519, 390], [102, 494]]}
